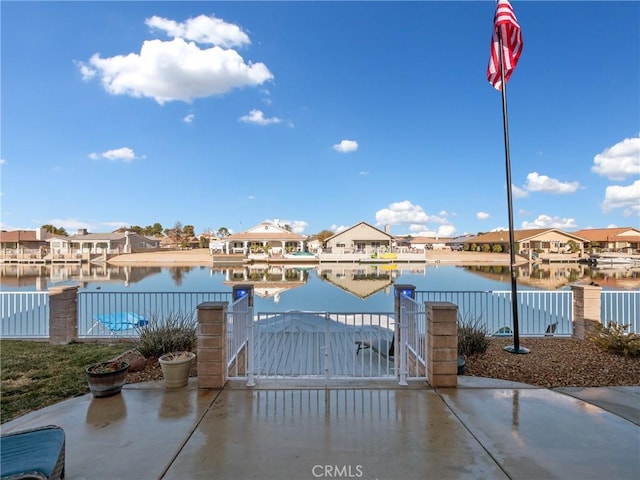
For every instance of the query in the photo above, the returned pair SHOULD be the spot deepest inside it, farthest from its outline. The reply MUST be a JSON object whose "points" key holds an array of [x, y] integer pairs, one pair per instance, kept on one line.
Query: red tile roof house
{"points": [[621, 240], [543, 243], [24, 244]]}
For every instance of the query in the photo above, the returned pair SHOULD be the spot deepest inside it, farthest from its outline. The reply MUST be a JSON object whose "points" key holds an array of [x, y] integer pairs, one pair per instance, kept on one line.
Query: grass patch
{"points": [[34, 375]]}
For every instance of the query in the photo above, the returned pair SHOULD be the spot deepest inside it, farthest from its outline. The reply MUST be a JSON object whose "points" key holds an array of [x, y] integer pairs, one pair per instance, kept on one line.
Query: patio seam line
{"points": [[190, 433], [473, 435]]}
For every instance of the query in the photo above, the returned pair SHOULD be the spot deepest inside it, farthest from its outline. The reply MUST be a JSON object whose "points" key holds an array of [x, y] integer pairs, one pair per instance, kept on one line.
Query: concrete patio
{"points": [[365, 429]]}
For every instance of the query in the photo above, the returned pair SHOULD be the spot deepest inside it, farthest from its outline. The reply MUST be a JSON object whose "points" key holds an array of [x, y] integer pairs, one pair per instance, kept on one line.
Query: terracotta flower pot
{"points": [[107, 378], [175, 368]]}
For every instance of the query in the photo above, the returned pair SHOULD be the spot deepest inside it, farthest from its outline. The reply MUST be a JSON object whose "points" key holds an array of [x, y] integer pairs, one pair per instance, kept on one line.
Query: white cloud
{"points": [[124, 154], [446, 230], [202, 29], [546, 221], [257, 117], [364, 173], [338, 228], [87, 72], [417, 227], [620, 161], [499, 229], [627, 198], [189, 118], [405, 212], [346, 146], [542, 183], [2, 161], [482, 215], [518, 192], [179, 69], [297, 226]]}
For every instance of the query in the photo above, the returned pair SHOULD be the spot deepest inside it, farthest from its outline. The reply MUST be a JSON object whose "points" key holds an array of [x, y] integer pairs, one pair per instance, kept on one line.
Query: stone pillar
{"points": [[442, 344], [586, 309], [212, 344], [63, 314]]}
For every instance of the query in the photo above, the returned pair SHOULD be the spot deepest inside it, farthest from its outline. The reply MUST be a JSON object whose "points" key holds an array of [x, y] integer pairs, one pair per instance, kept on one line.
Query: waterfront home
{"points": [[102, 243], [360, 238], [264, 240], [23, 242], [622, 240], [547, 244]]}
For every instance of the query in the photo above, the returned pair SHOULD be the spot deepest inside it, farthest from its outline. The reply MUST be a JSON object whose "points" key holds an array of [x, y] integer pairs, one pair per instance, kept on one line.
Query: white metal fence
{"points": [[326, 345], [240, 339], [109, 314], [539, 312], [24, 314], [413, 344], [622, 308]]}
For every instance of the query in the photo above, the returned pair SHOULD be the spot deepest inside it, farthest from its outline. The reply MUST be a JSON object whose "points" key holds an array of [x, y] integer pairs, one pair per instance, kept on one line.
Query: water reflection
{"points": [[38, 277], [557, 276], [270, 281]]}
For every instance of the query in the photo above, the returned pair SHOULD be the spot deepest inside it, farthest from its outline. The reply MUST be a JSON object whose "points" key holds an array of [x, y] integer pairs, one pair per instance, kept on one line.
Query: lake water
{"points": [[333, 287]]}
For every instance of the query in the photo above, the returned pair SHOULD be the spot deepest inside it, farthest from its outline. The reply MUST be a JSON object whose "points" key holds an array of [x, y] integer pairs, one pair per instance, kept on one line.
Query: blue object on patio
{"points": [[36, 453], [121, 320]]}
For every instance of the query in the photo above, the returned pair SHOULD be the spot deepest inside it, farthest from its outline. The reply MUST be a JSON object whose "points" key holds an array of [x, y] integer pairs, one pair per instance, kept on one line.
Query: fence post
{"points": [[240, 291], [63, 314], [212, 344], [406, 290], [586, 309], [442, 344]]}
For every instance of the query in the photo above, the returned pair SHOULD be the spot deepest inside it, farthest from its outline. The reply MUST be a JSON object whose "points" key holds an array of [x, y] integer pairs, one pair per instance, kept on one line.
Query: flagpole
{"points": [[515, 348]]}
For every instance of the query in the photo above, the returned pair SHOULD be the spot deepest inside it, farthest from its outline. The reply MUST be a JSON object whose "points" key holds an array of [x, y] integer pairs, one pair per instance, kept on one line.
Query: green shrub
{"points": [[472, 336], [614, 338], [177, 332]]}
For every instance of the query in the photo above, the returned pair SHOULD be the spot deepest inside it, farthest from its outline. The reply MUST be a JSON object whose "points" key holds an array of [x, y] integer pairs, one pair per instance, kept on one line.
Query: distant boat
{"points": [[604, 260]]}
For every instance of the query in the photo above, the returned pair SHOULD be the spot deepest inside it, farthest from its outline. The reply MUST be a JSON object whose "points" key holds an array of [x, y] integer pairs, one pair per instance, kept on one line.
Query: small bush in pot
{"points": [[170, 339], [175, 332]]}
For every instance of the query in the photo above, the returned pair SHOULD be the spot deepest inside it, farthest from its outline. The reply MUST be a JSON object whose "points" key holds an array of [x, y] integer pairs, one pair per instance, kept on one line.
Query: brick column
{"points": [[212, 345], [63, 314], [586, 309], [442, 344]]}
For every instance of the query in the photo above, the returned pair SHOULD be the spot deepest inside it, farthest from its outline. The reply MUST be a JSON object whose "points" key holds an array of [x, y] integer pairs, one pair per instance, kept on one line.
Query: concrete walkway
{"points": [[483, 429]]}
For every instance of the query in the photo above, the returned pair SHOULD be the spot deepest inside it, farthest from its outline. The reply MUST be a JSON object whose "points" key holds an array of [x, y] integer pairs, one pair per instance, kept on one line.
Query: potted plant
{"points": [[176, 367], [107, 378], [171, 338]]}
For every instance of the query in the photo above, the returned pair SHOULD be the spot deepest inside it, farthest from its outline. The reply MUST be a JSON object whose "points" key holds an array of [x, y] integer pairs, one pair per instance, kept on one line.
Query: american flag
{"points": [[505, 27]]}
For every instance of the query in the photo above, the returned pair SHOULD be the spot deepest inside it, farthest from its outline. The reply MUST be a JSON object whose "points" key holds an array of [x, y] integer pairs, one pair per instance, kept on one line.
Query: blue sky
{"points": [[320, 114]]}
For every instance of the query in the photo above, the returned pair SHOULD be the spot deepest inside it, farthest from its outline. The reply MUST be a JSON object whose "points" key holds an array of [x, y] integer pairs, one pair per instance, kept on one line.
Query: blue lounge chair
{"points": [[36, 453], [121, 320]]}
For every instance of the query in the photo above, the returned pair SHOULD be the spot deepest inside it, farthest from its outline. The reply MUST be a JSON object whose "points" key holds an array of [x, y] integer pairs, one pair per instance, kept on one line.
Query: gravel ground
{"points": [[555, 362], [552, 362]]}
